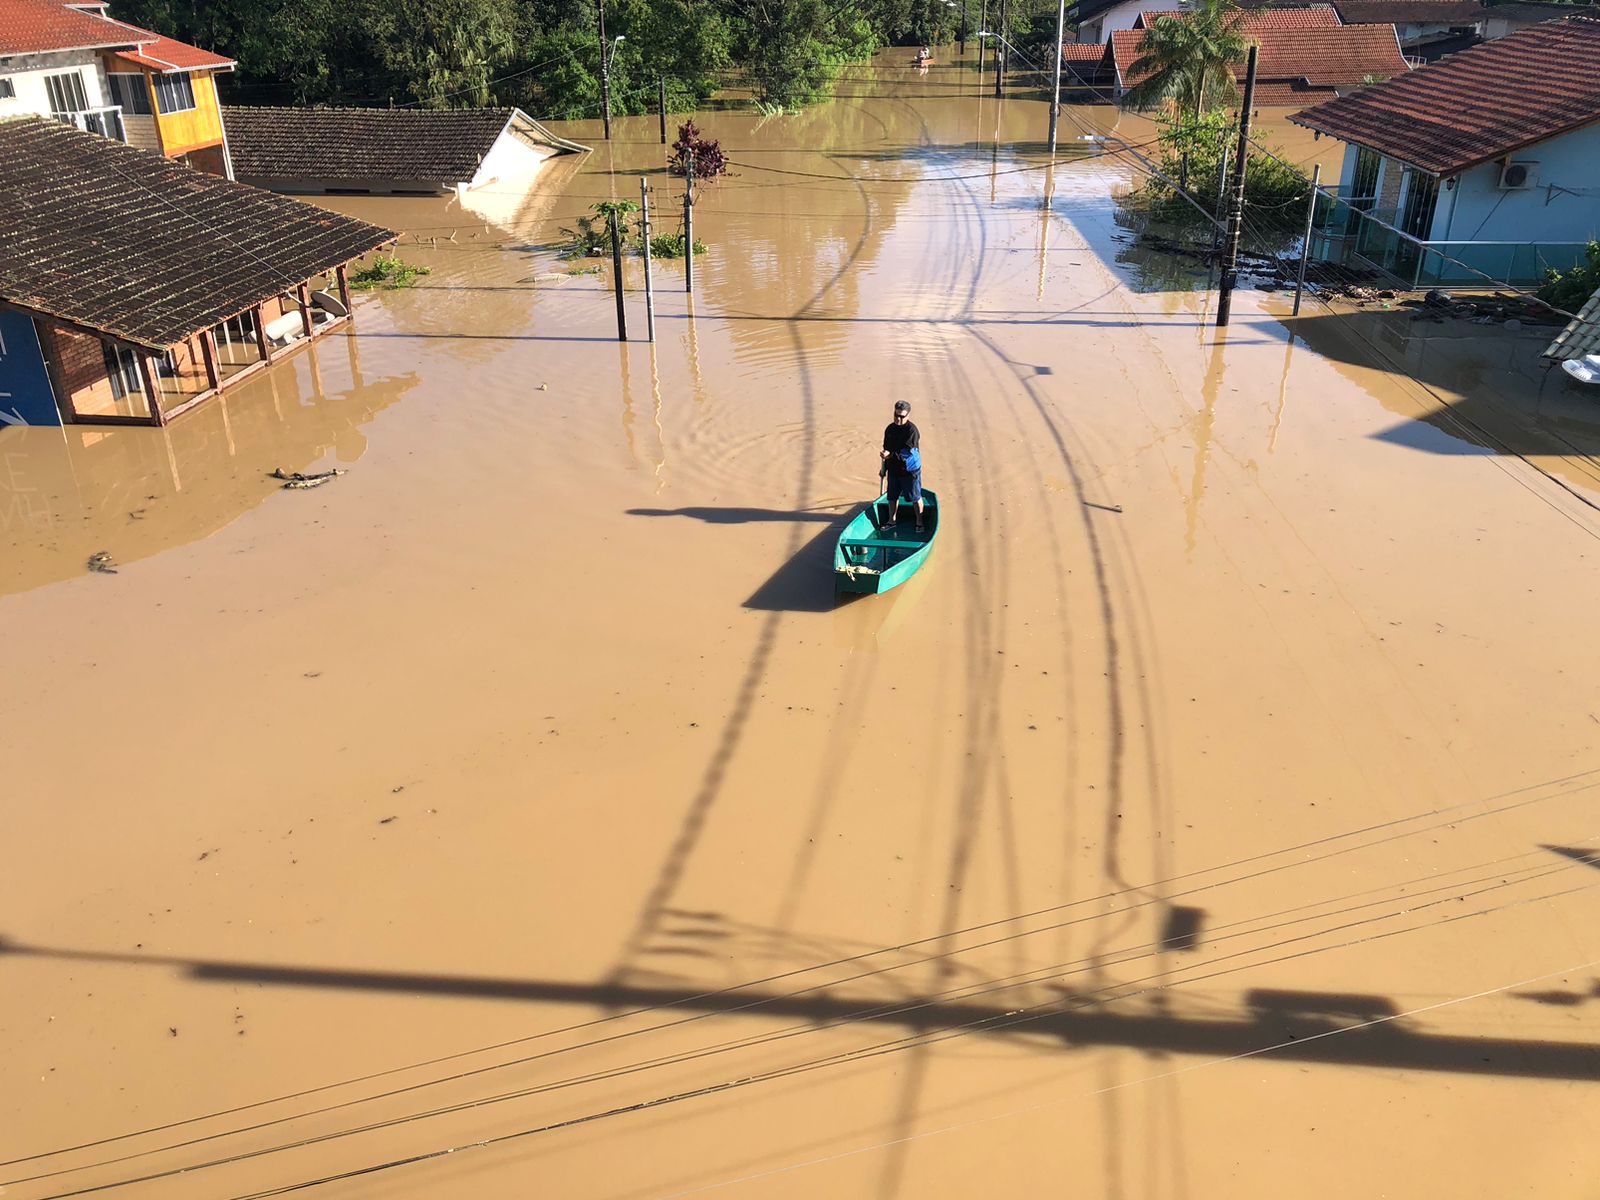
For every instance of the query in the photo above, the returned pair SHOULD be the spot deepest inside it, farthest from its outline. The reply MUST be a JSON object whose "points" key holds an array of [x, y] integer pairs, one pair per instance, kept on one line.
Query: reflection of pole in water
{"points": [[1283, 396], [355, 362], [655, 408], [694, 358], [1044, 225], [1202, 444], [627, 402]]}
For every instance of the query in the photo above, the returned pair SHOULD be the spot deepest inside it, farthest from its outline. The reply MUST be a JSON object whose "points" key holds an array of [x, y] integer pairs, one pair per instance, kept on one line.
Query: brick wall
{"points": [[77, 366]]}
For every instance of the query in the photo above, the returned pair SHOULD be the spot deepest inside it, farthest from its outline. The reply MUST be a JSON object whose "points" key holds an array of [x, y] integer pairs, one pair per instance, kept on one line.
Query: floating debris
{"points": [[294, 479], [100, 562]]}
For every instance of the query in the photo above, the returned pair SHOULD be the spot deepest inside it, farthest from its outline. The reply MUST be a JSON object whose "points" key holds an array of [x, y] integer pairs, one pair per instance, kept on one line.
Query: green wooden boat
{"points": [[874, 555]]}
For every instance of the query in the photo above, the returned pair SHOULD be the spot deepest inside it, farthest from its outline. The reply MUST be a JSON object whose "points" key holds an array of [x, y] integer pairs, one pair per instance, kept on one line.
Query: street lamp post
{"points": [[607, 51], [962, 35]]}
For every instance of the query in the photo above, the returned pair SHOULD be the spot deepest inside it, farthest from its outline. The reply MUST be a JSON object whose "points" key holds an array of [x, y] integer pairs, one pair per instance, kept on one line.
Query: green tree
{"points": [[1186, 59], [1570, 290]]}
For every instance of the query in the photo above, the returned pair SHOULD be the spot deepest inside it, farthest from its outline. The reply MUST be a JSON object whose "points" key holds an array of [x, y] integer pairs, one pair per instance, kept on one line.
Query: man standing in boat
{"points": [[902, 461]]}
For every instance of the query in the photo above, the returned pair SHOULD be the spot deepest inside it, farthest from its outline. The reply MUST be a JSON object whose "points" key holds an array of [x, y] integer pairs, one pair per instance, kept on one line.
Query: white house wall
{"points": [[1479, 210], [510, 158], [27, 74], [1122, 16]]}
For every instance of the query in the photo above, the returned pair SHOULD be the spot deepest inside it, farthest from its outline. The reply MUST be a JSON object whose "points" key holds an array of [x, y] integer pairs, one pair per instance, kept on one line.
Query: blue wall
{"points": [[1478, 210], [26, 397]]}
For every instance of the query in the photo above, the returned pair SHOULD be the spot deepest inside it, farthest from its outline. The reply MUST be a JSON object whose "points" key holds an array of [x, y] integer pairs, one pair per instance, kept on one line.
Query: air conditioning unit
{"points": [[1518, 176]]}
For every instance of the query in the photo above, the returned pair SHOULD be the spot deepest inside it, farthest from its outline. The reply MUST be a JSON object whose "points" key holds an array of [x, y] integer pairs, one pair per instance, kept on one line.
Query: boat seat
{"points": [[882, 543]]}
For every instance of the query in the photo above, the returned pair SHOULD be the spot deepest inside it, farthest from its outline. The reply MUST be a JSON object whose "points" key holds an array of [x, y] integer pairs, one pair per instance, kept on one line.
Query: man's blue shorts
{"points": [[906, 487]]}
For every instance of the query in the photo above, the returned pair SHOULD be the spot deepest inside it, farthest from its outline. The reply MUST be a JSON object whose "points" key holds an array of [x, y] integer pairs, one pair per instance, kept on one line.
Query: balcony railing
{"points": [[107, 121]]}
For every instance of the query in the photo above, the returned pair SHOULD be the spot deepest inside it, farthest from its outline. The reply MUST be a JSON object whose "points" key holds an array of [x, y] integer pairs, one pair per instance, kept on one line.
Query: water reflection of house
{"points": [[67, 493], [357, 151], [74, 63], [132, 288], [1483, 166]]}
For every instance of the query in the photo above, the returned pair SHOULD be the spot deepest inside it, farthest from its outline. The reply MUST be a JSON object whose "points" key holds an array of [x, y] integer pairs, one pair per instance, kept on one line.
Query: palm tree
{"points": [[1185, 59]]}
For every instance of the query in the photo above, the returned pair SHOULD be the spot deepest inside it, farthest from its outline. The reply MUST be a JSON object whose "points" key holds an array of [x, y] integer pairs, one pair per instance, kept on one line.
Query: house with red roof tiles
{"points": [[1487, 160], [1097, 20], [75, 63], [1306, 54]]}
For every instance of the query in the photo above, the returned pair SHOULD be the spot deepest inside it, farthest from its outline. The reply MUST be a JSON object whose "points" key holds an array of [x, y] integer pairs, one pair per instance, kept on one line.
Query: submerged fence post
{"points": [[649, 284], [616, 272], [1305, 250], [1230, 246], [688, 220]]}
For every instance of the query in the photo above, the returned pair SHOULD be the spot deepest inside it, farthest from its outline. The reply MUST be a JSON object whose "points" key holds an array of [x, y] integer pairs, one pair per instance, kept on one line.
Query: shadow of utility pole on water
{"points": [[1293, 1025]]}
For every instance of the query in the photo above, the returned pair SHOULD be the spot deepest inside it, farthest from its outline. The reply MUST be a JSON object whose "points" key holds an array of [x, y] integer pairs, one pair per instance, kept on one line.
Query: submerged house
{"points": [[77, 65], [1305, 54], [1486, 161], [132, 287], [1426, 28], [357, 151]]}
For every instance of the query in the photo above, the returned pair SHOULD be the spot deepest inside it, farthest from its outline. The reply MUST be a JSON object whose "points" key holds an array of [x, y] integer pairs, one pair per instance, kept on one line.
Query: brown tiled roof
{"points": [[1316, 16], [165, 55], [1481, 104], [1291, 59], [143, 249], [1082, 52], [38, 26], [432, 147], [1411, 12]]}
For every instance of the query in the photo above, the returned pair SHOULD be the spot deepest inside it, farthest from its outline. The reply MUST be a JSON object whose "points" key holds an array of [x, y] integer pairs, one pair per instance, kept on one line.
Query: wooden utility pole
{"points": [[605, 74], [649, 284], [1230, 245], [661, 105], [688, 220], [1305, 250], [616, 273]]}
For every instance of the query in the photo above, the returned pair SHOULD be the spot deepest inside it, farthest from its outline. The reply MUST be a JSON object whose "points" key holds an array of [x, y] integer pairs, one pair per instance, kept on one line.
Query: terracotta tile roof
{"points": [[166, 55], [432, 147], [1481, 104], [1411, 12], [1325, 58], [1316, 16], [1082, 51], [38, 26], [142, 248]]}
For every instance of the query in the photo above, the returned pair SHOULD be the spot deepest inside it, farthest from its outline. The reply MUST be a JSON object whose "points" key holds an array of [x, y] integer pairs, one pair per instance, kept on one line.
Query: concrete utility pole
{"points": [[1055, 94], [1230, 245], [661, 105], [616, 272], [1305, 250], [605, 72], [1000, 56], [688, 220], [983, 25], [649, 284]]}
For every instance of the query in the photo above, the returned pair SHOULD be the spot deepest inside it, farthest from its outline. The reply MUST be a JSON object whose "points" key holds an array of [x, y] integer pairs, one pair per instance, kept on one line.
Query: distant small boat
{"points": [[1585, 369], [874, 555]]}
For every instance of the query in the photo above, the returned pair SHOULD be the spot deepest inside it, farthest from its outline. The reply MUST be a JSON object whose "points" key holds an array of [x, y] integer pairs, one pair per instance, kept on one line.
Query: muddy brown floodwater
{"points": [[523, 791]]}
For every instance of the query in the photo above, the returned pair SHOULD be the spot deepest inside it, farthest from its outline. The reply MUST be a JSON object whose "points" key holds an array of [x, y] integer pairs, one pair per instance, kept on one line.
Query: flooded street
{"points": [[1209, 818]]}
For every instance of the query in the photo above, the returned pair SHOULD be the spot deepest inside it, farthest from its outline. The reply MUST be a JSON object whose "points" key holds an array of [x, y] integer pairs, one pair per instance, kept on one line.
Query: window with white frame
{"points": [[66, 93], [8, 90], [122, 368], [174, 94], [129, 91]]}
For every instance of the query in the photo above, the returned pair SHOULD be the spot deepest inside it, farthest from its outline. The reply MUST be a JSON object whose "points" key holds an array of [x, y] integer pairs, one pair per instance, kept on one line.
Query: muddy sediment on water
{"points": [[1233, 841]]}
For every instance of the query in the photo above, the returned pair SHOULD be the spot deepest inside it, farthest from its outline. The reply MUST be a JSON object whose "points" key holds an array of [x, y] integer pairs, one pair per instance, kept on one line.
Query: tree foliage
{"points": [[1186, 60], [1272, 186], [542, 55], [709, 160], [1570, 290]]}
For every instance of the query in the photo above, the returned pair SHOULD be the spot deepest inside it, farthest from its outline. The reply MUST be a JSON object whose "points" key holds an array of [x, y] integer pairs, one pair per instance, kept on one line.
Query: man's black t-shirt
{"points": [[897, 438]]}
